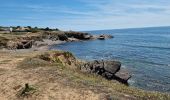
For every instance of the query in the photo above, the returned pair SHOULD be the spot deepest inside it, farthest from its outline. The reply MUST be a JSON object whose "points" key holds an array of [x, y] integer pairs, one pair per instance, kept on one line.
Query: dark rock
{"points": [[101, 38], [21, 44], [63, 37], [108, 69], [78, 35], [108, 75], [26, 44], [123, 75], [112, 66], [104, 36], [104, 68]]}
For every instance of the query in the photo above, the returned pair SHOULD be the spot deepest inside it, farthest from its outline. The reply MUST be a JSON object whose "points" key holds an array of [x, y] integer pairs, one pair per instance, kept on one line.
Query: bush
{"points": [[57, 29], [1, 29], [34, 30]]}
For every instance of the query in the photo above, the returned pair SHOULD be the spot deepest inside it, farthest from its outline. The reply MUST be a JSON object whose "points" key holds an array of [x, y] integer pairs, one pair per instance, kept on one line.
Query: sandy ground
{"points": [[39, 46], [50, 85]]}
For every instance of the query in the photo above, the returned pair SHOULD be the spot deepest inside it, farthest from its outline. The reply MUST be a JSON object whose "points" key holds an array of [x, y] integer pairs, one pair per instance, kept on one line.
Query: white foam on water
{"points": [[131, 81], [123, 66]]}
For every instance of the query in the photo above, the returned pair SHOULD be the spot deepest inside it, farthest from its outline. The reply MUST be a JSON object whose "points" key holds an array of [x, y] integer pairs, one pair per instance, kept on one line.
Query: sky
{"points": [[85, 14]]}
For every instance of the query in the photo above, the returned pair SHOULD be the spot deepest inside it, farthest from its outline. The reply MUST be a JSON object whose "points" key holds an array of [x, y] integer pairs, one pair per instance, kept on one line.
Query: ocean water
{"points": [[145, 52]]}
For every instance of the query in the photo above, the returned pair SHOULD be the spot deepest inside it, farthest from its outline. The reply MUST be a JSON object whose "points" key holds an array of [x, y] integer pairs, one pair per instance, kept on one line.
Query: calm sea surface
{"points": [[145, 52]]}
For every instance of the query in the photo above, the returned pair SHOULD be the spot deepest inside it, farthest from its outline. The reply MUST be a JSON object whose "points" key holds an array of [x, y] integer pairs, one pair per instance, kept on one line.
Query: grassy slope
{"points": [[65, 75], [18, 65]]}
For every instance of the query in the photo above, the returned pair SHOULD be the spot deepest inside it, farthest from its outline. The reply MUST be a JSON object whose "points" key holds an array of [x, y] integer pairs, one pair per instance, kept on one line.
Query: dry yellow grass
{"points": [[54, 80]]}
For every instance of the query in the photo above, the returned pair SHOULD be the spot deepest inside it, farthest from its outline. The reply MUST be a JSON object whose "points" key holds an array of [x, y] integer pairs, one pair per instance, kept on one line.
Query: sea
{"points": [[145, 52]]}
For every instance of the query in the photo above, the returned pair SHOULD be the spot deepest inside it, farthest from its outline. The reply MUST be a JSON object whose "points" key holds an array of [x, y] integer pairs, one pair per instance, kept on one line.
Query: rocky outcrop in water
{"points": [[79, 35], [108, 69], [104, 36], [22, 40]]}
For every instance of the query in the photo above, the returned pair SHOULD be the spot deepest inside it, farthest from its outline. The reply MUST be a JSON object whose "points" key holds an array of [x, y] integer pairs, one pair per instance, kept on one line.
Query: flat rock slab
{"points": [[123, 74]]}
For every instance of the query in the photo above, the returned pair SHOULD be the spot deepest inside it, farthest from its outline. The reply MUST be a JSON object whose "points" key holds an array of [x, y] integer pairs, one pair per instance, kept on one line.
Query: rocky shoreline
{"points": [[25, 60], [108, 69], [45, 38], [41, 41]]}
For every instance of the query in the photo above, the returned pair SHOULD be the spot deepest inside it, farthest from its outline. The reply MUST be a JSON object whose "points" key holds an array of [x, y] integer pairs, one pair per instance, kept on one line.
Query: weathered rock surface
{"points": [[21, 41], [108, 69], [79, 35], [123, 75], [104, 36]]}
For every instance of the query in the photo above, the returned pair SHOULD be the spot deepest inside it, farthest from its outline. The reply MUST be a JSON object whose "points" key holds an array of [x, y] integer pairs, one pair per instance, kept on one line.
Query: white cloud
{"points": [[99, 14]]}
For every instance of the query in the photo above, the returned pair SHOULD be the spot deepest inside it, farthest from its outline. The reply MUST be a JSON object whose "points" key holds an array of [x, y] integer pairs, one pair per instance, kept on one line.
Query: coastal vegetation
{"points": [[51, 76], [28, 72], [26, 37]]}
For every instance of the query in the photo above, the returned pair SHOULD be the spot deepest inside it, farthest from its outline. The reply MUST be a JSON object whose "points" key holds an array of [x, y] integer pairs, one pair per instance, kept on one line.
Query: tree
{"points": [[29, 27], [18, 27], [35, 27], [57, 29], [47, 29], [34, 30]]}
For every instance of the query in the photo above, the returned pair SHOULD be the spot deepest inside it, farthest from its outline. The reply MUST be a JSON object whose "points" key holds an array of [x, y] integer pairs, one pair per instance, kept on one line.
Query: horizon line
{"points": [[91, 30]]}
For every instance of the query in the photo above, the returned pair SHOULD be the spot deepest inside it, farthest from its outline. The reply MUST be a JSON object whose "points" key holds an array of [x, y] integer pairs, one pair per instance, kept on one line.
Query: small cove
{"points": [[144, 52]]}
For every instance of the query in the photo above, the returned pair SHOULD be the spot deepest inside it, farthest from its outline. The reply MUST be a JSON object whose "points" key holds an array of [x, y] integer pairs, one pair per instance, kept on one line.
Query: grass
{"points": [[68, 54], [27, 91], [95, 81], [41, 60], [58, 57], [88, 81], [33, 63], [19, 33], [4, 61]]}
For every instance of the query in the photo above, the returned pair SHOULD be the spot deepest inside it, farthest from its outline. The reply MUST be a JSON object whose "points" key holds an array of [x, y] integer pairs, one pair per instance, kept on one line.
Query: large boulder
{"points": [[104, 68], [112, 66], [108, 69], [62, 37]]}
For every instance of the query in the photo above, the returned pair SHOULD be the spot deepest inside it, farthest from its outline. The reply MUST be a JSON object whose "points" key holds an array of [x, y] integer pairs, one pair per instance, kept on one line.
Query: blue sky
{"points": [[85, 14]]}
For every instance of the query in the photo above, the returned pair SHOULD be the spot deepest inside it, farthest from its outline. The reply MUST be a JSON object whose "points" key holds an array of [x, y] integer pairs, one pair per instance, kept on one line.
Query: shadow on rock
{"points": [[110, 70]]}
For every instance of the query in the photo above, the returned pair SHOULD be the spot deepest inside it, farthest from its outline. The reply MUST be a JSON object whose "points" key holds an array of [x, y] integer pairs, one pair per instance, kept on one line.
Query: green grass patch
{"points": [[4, 61], [27, 91], [33, 63]]}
